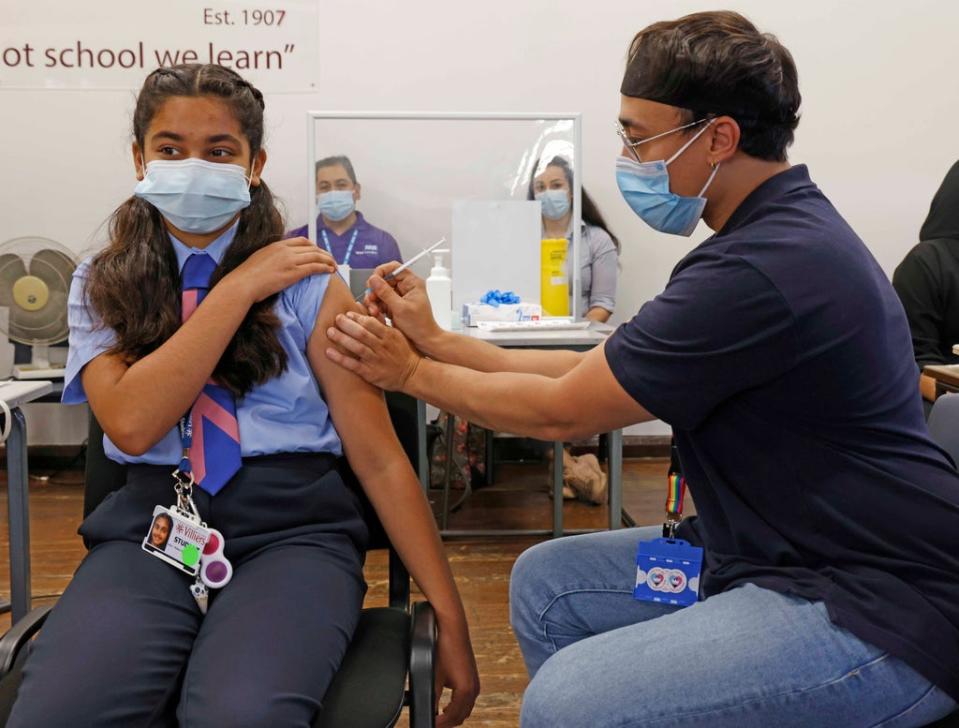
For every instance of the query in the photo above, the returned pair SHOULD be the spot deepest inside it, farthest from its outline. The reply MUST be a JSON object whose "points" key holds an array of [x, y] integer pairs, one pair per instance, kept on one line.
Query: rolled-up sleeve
{"points": [[88, 336], [605, 264]]}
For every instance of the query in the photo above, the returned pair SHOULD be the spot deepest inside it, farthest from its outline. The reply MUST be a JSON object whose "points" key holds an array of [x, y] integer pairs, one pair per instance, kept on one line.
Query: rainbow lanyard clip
{"points": [[675, 496]]}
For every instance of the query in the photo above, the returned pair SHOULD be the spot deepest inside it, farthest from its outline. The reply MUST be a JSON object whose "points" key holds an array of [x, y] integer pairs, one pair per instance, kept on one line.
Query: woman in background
{"points": [[552, 185]]}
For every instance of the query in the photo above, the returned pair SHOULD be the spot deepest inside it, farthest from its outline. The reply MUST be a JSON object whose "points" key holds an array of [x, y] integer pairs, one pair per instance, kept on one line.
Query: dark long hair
{"points": [[134, 284], [590, 213]]}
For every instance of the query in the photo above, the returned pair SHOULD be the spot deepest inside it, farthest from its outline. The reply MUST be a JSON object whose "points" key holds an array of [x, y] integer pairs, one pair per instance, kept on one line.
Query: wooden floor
{"points": [[519, 499]]}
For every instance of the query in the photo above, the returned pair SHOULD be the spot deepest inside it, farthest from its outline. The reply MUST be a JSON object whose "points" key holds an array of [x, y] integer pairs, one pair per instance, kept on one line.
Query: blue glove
{"points": [[495, 297]]}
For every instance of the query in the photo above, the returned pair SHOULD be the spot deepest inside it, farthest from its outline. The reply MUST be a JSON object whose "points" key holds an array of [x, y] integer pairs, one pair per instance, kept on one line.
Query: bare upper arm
{"points": [[591, 400], [358, 409], [99, 378]]}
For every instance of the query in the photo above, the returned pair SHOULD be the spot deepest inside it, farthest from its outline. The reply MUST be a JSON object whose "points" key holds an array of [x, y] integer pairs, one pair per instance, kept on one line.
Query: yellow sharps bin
{"points": [[554, 281]]}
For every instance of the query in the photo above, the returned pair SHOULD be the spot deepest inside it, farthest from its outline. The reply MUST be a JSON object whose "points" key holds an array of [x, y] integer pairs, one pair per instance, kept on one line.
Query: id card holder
{"points": [[667, 572], [176, 538]]}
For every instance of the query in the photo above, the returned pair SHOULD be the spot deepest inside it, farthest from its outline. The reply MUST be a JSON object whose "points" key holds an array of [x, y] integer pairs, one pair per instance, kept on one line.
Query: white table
{"points": [[571, 339], [576, 339], [15, 394]]}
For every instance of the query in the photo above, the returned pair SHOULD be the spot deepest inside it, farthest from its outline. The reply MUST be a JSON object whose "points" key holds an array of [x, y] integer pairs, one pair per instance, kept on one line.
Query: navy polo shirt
{"points": [[781, 356]]}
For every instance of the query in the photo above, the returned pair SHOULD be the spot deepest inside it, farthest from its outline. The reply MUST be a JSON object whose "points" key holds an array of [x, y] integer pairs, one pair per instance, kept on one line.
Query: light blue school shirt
{"points": [[286, 414]]}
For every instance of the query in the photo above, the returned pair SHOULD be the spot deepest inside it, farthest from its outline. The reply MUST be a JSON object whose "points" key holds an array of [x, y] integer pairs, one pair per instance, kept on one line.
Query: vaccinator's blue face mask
{"points": [[645, 187], [194, 195], [336, 205], [555, 203]]}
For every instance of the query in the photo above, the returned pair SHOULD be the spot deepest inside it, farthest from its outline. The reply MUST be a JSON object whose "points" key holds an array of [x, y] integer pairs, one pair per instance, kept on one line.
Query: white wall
{"points": [[878, 84]]}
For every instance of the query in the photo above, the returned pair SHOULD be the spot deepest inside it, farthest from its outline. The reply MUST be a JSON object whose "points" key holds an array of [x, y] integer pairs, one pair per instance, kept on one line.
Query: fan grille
{"points": [[35, 275]]}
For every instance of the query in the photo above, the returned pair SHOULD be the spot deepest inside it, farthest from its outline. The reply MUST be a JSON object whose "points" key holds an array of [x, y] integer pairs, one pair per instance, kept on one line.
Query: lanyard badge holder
{"points": [[667, 568], [180, 537]]}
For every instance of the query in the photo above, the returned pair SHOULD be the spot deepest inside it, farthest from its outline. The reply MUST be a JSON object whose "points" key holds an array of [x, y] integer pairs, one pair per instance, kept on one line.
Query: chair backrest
{"points": [[944, 424], [103, 476]]}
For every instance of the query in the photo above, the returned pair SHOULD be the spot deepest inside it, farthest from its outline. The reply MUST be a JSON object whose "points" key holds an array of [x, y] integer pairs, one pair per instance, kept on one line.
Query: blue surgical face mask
{"points": [[645, 187], [194, 195], [336, 205], [555, 203]]}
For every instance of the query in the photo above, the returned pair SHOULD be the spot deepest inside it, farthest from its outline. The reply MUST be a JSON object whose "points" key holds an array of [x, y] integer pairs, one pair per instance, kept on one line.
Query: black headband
{"points": [[683, 85]]}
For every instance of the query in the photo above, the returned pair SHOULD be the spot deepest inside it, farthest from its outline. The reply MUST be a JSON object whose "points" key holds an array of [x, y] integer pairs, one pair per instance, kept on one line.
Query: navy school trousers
{"points": [[126, 644]]}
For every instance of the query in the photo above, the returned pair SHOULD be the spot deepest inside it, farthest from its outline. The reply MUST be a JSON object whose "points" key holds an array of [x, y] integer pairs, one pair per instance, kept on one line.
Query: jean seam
{"points": [[906, 711], [599, 590], [784, 694], [541, 614]]}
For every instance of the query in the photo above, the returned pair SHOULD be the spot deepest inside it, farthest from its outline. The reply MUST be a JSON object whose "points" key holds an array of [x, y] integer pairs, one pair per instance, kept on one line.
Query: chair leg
{"points": [[399, 586], [602, 448], [422, 661]]}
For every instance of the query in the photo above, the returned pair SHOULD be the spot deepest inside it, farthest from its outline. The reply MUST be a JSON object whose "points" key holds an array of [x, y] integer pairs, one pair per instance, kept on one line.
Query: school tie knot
{"points": [[196, 275], [198, 270]]}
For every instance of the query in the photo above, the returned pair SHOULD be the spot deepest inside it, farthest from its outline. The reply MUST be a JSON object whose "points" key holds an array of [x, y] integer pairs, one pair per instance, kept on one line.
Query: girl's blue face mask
{"points": [[194, 195], [336, 205], [645, 187], [555, 203]]}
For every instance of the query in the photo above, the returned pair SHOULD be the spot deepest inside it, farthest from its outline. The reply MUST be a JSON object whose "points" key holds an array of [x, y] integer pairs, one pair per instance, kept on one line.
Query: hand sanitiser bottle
{"points": [[439, 289]]}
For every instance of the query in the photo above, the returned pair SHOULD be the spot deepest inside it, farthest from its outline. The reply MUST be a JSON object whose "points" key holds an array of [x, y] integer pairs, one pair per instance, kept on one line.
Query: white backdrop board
{"points": [[496, 244], [112, 44]]}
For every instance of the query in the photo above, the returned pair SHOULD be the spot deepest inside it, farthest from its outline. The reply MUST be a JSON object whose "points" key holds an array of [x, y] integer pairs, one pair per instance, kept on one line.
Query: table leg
{"points": [[557, 489], [615, 469], [18, 515], [489, 457], [448, 476], [422, 462]]}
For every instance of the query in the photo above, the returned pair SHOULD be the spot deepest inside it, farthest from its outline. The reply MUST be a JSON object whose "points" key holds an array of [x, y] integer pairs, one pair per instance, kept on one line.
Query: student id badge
{"points": [[667, 572], [177, 538]]}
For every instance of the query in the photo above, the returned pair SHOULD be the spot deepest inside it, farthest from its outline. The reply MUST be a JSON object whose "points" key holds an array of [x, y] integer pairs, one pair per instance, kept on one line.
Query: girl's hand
{"points": [[279, 265], [456, 670], [403, 299]]}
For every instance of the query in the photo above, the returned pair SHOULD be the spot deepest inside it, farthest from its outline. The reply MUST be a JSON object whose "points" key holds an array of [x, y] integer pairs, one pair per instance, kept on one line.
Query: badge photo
{"points": [[176, 539]]}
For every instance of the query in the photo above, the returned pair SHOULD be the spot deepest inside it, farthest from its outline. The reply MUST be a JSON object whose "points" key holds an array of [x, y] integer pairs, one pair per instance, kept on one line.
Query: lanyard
{"points": [[675, 494], [349, 248], [186, 438]]}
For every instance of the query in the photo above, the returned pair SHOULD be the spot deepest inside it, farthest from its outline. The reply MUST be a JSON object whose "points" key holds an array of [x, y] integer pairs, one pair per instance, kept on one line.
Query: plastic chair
{"points": [[390, 644], [944, 424]]}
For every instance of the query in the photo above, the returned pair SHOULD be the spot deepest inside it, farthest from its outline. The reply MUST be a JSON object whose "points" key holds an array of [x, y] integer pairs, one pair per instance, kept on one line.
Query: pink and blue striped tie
{"points": [[215, 452]]}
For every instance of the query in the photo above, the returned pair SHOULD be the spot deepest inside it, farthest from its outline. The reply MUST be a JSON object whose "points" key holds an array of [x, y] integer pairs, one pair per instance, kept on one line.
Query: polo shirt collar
{"points": [[359, 225], [215, 250], [773, 188]]}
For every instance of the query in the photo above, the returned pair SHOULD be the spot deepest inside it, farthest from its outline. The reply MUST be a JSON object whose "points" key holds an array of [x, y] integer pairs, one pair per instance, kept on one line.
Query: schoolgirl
{"points": [[197, 336]]}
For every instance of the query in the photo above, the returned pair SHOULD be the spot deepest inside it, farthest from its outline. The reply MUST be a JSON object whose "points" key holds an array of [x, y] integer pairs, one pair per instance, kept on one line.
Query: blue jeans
{"points": [[747, 657]]}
